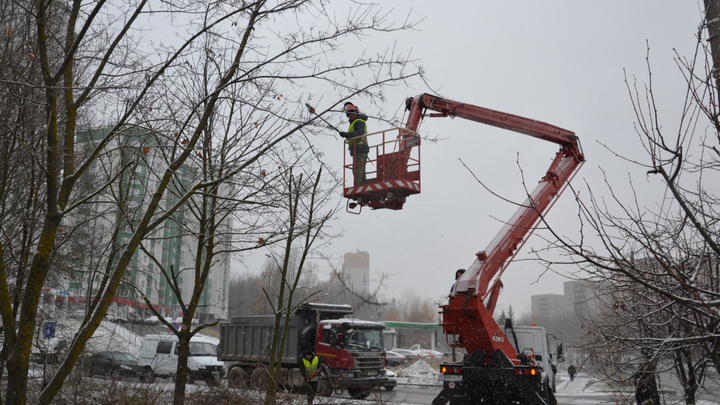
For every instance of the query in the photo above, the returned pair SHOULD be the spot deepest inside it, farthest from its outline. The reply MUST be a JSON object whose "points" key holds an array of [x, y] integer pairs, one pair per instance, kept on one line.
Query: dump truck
{"points": [[351, 351]]}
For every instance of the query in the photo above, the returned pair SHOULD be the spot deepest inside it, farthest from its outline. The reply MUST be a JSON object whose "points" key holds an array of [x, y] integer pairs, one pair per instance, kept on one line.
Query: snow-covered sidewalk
{"points": [[587, 385]]}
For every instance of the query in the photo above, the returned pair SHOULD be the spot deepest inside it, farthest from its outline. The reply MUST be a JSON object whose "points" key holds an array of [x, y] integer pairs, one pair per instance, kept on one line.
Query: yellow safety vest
{"points": [[361, 140], [311, 367]]}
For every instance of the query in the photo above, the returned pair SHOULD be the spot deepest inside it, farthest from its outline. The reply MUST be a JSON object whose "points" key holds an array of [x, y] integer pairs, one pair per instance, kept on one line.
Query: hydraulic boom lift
{"points": [[497, 369]]}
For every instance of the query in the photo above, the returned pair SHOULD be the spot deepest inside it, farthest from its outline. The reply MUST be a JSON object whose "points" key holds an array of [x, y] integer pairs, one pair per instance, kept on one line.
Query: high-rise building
{"points": [[170, 246], [582, 301], [356, 271], [548, 308]]}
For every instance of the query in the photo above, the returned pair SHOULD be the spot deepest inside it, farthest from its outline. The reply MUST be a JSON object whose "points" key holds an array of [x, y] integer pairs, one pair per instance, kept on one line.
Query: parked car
{"points": [[114, 364], [151, 320], [114, 318], [50, 351], [392, 380], [155, 321], [433, 354], [409, 355], [394, 359]]}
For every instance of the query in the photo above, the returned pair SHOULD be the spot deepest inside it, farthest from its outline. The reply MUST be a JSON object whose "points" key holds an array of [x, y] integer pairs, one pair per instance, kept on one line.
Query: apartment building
{"points": [[356, 271], [169, 251]]}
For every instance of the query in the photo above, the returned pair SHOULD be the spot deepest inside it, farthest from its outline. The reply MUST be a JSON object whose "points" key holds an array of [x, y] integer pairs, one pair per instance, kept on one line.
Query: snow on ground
{"points": [[581, 384], [108, 336], [113, 336], [418, 373], [586, 384]]}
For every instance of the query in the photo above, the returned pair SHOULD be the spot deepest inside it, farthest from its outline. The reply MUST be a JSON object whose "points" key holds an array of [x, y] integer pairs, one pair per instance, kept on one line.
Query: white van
{"points": [[534, 340], [159, 357]]}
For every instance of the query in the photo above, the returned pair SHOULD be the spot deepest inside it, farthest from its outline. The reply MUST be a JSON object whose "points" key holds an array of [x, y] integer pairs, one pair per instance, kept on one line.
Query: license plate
{"points": [[446, 377], [372, 372]]}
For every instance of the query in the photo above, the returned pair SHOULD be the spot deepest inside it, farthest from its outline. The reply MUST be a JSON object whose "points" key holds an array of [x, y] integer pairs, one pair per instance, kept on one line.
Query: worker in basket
{"points": [[309, 365], [357, 141]]}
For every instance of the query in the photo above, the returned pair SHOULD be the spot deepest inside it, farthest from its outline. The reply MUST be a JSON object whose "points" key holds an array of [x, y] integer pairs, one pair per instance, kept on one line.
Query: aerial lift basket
{"points": [[392, 171]]}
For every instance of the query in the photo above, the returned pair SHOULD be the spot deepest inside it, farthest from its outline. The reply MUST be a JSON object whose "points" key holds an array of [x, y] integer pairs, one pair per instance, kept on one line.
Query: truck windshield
{"points": [[202, 349], [364, 339]]}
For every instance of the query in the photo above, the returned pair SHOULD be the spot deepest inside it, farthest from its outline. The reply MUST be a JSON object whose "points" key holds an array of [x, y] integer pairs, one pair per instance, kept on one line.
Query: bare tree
{"points": [[305, 199], [635, 331], [81, 66], [656, 262]]}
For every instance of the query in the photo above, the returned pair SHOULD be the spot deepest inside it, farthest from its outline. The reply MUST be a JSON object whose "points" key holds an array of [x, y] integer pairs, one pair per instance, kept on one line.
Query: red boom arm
{"points": [[469, 312]]}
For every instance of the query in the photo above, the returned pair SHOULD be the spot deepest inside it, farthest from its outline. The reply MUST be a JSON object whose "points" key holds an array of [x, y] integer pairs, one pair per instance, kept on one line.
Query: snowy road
{"points": [[414, 395], [409, 395], [588, 399], [417, 396]]}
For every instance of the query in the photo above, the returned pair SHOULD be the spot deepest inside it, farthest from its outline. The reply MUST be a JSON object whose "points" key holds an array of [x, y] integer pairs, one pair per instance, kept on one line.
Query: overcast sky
{"points": [[563, 62]]}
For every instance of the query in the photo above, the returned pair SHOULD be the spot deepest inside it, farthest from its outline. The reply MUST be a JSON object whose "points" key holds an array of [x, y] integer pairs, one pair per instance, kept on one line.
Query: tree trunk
{"points": [[712, 22], [19, 359], [181, 371]]}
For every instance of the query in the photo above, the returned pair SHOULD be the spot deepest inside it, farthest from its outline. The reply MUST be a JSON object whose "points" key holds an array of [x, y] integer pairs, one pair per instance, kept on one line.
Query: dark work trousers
{"points": [[310, 389]]}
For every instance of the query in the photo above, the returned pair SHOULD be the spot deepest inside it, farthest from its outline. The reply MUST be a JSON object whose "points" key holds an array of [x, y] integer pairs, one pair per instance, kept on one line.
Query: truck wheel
{"points": [[259, 378], [148, 375], [324, 388], [237, 378], [553, 400], [549, 396], [389, 387], [359, 393]]}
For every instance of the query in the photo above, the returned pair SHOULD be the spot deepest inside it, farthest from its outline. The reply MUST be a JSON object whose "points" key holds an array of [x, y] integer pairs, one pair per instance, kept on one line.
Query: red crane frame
{"points": [[470, 309]]}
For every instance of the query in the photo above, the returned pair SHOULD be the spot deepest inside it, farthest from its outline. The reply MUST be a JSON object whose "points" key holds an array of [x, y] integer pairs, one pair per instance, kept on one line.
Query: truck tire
{"points": [[259, 378], [148, 376], [359, 393], [237, 378], [549, 396], [324, 388]]}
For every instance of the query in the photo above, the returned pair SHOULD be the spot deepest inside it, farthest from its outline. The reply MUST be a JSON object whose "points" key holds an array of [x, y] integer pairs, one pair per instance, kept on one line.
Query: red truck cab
{"points": [[353, 354]]}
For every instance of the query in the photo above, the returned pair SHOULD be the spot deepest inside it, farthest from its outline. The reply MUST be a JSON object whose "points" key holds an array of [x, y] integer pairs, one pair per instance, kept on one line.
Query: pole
{"points": [[311, 109]]}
